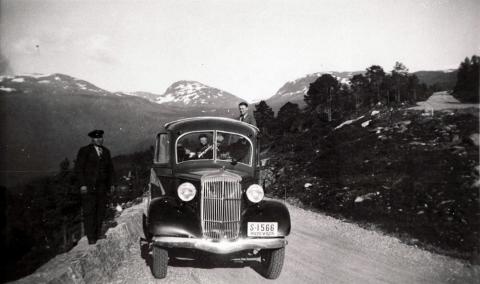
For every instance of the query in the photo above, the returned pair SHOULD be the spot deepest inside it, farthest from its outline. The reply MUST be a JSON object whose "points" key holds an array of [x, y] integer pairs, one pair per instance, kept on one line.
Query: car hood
{"points": [[197, 174]]}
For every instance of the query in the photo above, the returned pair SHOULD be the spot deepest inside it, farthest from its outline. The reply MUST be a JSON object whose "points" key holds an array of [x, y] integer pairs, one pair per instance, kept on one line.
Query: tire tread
{"points": [[273, 262], [160, 262]]}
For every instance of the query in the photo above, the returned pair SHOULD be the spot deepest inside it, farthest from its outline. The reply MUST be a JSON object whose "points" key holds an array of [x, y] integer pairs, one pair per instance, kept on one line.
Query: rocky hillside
{"points": [[46, 118], [413, 174]]}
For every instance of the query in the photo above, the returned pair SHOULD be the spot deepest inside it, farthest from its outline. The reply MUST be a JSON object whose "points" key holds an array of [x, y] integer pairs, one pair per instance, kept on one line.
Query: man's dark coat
{"points": [[95, 172], [89, 165]]}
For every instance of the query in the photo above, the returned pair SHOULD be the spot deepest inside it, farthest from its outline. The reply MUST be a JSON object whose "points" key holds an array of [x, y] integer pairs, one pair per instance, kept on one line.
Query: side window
{"points": [[195, 146], [162, 155]]}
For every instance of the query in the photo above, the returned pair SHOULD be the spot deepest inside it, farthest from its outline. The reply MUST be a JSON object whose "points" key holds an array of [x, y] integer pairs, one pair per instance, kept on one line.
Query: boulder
{"points": [[475, 137]]}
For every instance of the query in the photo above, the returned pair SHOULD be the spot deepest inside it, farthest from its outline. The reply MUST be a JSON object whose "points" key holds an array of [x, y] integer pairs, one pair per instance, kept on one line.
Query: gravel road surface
{"points": [[321, 249], [440, 101]]}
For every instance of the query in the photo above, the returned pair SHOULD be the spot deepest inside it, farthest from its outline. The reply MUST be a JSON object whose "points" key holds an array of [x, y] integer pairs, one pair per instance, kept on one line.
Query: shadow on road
{"points": [[203, 260]]}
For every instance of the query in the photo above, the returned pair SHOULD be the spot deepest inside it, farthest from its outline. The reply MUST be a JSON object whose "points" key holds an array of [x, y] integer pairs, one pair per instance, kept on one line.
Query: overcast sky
{"points": [[247, 47]]}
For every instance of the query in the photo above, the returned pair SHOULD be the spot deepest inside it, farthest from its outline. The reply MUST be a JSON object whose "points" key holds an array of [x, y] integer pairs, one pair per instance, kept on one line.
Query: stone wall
{"points": [[93, 263]]}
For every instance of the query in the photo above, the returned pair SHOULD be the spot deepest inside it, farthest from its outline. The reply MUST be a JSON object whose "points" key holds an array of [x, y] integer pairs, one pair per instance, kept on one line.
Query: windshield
{"points": [[210, 145]]}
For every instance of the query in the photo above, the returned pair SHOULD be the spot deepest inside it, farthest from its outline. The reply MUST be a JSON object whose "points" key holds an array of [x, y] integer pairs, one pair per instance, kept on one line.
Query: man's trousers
{"points": [[94, 208]]}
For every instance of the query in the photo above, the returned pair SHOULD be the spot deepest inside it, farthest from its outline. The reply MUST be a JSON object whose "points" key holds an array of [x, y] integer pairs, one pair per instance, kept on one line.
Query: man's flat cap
{"points": [[96, 133]]}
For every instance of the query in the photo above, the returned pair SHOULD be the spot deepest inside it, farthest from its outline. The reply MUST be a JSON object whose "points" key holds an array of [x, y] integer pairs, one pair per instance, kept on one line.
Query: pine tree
{"points": [[400, 81], [264, 116], [413, 88], [359, 86], [467, 86], [287, 117], [322, 95], [375, 76]]}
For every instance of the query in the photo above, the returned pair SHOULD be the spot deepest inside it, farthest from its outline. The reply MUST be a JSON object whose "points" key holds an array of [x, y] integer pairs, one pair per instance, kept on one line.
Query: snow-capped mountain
{"points": [[192, 94], [293, 91], [57, 83], [45, 118], [53, 83]]}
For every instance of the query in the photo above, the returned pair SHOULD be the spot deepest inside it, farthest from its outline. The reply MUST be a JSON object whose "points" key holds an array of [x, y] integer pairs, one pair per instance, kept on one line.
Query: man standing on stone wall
{"points": [[95, 174]]}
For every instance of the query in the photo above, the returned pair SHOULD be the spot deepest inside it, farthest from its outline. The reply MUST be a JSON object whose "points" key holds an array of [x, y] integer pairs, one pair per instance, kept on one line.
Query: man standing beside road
{"points": [[95, 174], [244, 115]]}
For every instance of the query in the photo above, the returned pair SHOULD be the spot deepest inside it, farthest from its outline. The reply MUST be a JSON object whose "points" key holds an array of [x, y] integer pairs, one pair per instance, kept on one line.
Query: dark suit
{"points": [[96, 172], [248, 119]]}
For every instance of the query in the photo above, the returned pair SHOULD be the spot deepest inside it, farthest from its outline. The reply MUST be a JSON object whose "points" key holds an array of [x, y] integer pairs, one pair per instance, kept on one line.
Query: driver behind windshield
{"points": [[204, 150]]}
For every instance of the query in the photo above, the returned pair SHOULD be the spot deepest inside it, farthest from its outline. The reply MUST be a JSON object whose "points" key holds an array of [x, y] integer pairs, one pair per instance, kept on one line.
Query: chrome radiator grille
{"points": [[221, 206]]}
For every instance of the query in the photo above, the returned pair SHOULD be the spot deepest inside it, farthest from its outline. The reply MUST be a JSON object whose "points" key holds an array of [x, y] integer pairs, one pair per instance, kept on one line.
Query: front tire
{"points": [[146, 233], [160, 262], [272, 262]]}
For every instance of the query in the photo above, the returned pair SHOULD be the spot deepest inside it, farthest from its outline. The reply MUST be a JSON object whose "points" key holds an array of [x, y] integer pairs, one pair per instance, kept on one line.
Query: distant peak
{"points": [[33, 75]]}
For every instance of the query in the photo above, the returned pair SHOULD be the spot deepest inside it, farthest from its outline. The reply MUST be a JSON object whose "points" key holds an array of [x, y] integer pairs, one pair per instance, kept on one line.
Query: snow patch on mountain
{"points": [[18, 80], [165, 99], [344, 80], [35, 75], [5, 77], [120, 94], [6, 89], [82, 86]]}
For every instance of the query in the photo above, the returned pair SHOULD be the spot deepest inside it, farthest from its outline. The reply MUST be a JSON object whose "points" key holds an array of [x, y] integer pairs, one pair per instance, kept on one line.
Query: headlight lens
{"points": [[186, 191], [255, 193]]}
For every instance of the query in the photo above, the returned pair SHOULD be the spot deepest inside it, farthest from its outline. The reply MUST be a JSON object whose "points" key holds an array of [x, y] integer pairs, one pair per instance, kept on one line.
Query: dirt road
{"points": [[440, 101], [321, 249]]}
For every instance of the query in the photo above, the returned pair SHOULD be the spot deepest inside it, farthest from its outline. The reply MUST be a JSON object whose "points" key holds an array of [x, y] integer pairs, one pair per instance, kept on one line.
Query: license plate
{"points": [[262, 229]]}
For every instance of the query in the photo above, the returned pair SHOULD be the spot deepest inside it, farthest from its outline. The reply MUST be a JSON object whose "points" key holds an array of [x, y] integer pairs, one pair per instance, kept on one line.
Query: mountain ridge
{"points": [[46, 118], [293, 91]]}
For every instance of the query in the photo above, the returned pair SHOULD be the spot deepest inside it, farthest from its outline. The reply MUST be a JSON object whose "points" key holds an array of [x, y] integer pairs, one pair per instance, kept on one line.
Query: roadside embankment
{"points": [[93, 263], [412, 174]]}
